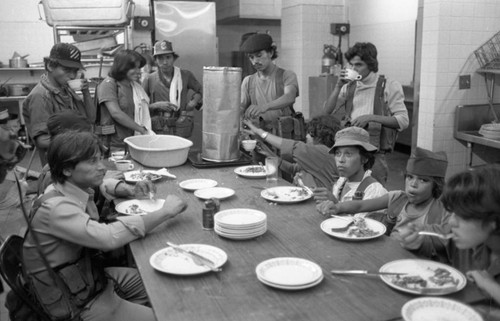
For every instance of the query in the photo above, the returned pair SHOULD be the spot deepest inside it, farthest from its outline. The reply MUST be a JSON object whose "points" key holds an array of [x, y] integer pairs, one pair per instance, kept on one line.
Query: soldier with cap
{"points": [[270, 92], [52, 94], [168, 88]]}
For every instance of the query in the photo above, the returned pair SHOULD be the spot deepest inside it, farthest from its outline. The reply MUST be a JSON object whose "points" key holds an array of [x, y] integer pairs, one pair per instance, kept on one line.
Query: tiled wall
{"points": [[305, 27], [395, 42], [390, 26], [452, 30]]}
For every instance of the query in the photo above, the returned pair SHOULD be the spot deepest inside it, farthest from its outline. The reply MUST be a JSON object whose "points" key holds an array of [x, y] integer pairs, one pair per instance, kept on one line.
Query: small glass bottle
{"points": [[210, 207]]}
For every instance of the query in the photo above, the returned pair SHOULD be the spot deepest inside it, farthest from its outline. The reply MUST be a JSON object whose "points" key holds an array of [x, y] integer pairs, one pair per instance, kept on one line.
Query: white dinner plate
{"points": [[240, 236], [240, 218], [145, 206], [286, 194], [168, 260], [289, 271], [251, 171], [424, 269], [336, 222], [197, 183], [241, 232], [137, 176], [431, 309], [214, 192], [291, 288]]}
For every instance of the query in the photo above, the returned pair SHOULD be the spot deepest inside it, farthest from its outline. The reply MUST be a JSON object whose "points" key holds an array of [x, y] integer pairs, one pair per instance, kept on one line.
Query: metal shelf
{"points": [[91, 30]]}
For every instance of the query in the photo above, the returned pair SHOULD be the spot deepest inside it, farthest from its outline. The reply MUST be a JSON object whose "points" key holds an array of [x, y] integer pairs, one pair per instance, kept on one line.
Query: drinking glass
{"points": [[272, 171]]}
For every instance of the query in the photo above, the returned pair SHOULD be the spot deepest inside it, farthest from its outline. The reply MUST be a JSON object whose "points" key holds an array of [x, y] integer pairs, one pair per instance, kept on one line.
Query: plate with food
{"points": [[286, 194], [429, 308], [197, 183], [139, 207], [353, 228], [144, 175], [424, 277], [251, 171], [172, 261]]}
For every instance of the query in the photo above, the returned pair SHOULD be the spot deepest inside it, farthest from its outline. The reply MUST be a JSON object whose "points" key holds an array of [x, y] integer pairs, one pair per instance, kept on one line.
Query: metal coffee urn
{"points": [[221, 114]]}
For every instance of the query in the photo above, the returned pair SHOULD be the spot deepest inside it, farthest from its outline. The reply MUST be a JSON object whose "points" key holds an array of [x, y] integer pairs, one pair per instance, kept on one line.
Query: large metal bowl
{"points": [[159, 150]]}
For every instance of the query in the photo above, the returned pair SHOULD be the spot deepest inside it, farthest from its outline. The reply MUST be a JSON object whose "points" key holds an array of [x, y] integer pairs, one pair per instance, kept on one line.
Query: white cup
{"points": [[352, 75], [249, 144], [124, 165], [76, 84]]}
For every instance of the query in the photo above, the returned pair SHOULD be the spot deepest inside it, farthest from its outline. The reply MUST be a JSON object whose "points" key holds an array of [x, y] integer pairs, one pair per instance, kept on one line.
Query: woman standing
{"points": [[123, 104]]}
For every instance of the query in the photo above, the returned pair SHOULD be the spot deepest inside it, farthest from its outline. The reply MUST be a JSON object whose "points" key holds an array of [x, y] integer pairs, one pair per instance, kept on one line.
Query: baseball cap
{"points": [[163, 47], [67, 55]]}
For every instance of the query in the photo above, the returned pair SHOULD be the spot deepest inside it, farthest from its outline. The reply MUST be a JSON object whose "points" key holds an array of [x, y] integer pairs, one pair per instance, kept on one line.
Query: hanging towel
{"points": [[176, 88], [141, 111]]}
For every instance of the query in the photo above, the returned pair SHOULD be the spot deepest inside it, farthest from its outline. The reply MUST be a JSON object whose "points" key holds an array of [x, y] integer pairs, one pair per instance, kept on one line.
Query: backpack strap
{"points": [[378, 102], [351, 89], [251, 88], [367, 181], [39, 201]]}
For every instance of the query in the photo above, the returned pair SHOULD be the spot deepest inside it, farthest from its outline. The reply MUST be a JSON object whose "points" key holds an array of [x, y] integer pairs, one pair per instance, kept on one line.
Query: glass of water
{"points": [[272, 171]]}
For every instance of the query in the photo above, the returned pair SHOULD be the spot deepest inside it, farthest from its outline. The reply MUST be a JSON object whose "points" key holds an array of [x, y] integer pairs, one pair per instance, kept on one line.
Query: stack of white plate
{"points": [[240, 223], [289, 273], [491, 131]]}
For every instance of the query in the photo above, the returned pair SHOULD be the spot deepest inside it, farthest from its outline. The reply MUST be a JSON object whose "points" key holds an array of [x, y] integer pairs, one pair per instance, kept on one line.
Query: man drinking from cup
{"points": [[371, 101], [53, 94]]}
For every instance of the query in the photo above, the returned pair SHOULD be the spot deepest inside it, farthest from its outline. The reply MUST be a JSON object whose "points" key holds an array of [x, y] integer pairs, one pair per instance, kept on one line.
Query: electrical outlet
{"points": [[464, 82]]}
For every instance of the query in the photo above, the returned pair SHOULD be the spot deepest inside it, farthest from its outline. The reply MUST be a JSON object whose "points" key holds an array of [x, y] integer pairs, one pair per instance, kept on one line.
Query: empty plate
{"points": [[430, 309], [214, 192], [197, 183], [289, 273]]}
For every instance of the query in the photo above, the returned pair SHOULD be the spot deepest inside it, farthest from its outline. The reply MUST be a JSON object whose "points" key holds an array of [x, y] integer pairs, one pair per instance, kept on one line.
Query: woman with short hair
{"points": [[122, 101]]}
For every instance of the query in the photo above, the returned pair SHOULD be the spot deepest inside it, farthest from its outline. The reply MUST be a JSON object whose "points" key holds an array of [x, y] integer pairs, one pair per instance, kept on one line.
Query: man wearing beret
{"points": [[52, 95], [270, 92], [168, 90]]}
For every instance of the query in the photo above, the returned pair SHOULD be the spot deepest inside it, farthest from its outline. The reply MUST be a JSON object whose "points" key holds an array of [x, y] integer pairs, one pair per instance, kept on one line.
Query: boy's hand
{"points": [[142, 189], [327, 208], [409, 236], [482, 279]]}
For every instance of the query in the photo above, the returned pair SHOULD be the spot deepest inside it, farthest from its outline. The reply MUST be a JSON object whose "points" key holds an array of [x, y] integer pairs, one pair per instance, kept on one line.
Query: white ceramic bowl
{"points": [[249, 144], [159, 150]]}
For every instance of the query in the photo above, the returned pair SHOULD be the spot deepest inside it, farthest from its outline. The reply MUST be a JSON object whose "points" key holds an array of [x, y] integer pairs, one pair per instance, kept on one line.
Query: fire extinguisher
{"points": [[328, 59]]}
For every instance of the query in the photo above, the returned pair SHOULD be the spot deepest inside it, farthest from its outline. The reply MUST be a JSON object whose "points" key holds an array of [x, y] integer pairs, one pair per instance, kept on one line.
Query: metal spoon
{"points": [[441, 236]]}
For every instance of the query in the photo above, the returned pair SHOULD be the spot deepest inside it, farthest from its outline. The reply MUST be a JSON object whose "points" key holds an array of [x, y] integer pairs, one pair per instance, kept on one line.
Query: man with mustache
{"points": [[168, 88], [270, 92]]}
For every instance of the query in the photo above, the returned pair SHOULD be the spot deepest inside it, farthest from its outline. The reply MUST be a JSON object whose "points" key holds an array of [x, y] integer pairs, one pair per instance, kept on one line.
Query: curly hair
{"points": [[69, 148], [367, 52], [324, 128], [368, 156], [475, 194]]}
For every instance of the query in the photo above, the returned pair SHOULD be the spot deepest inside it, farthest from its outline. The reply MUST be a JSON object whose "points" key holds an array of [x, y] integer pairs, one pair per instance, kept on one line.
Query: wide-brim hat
{"points": [[423, 162], [66, 55], [163, 47], [353, 136], [257, 42]]}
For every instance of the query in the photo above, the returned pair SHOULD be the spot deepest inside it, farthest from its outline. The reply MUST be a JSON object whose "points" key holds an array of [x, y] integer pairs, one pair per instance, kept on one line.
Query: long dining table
{"points": [[235, 293]]}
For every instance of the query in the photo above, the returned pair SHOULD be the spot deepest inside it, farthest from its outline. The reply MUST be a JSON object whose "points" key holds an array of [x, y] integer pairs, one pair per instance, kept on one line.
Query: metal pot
{"points": [[19, 89], [18, 62]]}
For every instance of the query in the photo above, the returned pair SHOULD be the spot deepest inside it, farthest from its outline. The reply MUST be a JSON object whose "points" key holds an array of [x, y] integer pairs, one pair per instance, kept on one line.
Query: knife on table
{"points": [[364, 272], [196, 257]]}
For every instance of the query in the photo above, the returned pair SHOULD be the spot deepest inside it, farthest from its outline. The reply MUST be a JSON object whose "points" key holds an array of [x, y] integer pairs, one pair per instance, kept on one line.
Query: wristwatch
{"points": [[264, 135]]}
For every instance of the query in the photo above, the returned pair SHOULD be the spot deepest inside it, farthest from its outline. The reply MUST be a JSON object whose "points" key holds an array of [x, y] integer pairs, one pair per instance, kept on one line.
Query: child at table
{"points": [[473, 198], [418, 204]]}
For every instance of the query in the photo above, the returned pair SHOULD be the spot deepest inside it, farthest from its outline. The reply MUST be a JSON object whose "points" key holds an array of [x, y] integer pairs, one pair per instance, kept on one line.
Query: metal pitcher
{"points": [[221, 113]]}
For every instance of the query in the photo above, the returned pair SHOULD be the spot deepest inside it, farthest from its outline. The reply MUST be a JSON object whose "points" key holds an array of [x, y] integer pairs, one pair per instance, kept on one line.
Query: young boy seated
{"points": [[473, 198], [418, 204]]}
